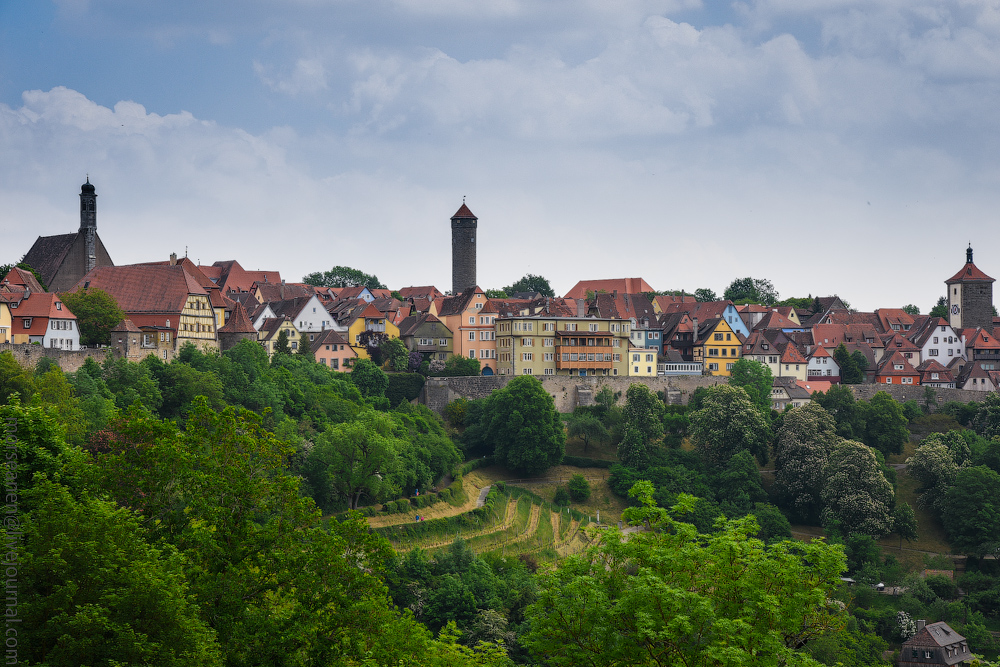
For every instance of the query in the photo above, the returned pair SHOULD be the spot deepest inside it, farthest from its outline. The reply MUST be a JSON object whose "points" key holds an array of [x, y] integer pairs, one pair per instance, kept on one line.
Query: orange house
{"points": [[472, 319], [896, 369]]}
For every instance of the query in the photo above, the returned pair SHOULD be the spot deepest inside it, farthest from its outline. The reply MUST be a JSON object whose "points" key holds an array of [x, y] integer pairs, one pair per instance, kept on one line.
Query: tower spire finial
{"points": [[968, 254]]}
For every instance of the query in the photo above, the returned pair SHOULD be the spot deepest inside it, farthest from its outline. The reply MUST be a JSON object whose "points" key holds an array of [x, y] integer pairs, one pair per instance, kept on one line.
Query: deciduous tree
{"points": [[971, 511], [751, 290], [530, 283], [801, 452], [521, 424], [885, 424], [343, 276], [857, 495], [97, 313], [588, 428], [756, 380], [728, 423]]}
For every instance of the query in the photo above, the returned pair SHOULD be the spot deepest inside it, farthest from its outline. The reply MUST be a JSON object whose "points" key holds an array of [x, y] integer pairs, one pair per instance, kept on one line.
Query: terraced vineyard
{"points": [[513, 520]]}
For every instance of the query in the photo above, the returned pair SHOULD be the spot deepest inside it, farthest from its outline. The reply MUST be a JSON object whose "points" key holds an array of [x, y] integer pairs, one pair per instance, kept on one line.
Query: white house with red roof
{"points": [[822, 365], [44, 319]]}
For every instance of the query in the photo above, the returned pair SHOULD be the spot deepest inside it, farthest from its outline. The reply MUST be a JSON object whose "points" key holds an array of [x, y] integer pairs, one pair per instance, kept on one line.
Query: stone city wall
{"points": [[916, 393], [27, 355], [568, 392]]}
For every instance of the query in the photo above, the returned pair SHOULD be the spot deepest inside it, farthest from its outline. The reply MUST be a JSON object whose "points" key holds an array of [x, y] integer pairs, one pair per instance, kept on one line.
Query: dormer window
{"points": [[58, 305], [898, 367], [766, 346]]}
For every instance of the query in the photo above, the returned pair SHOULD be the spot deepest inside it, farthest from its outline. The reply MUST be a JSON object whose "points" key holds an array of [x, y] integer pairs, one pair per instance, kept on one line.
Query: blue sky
{"points": [[829, 146]]}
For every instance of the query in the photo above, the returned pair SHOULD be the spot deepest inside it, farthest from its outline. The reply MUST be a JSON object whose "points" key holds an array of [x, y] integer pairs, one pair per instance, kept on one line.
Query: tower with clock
{"points": [[970, 297]]}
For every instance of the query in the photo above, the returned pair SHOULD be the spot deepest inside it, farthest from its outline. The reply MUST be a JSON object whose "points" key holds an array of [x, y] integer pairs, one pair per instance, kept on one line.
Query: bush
{"points": [[454, 412], [445, 495], [562, 497], [942, 586], [584, 462], [403, 387], [578, 488]]}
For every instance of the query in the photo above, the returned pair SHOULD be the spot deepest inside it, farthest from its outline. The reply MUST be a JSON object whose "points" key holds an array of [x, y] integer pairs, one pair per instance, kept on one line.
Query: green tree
{"points": [[395, 354], [940, 308], [14, 379], [904, 523], [934, 467], [885, 424], [459, 366], [359, 458], [343, 276], [130, 382], [531, 283], [849, 371], [643, 412], [97, 313], [728, 422], [305, 346], [857, 496], [579, 488], [94, 591], [801, 452], [496, 294], [840, 403], [370, 380], [522, 426], [987, 420], [756, 380], [588, 428], [970, 511], [911, 309], [281, 343], [751, 290], [670, 596], [703, 295]]}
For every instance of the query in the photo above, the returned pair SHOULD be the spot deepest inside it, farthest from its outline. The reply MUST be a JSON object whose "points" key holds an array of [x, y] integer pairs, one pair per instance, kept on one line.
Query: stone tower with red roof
{"points": [[970, 297], [463, 250]]}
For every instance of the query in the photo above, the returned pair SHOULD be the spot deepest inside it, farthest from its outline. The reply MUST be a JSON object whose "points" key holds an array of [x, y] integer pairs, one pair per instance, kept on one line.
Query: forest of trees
{"points": [[195, 513]]}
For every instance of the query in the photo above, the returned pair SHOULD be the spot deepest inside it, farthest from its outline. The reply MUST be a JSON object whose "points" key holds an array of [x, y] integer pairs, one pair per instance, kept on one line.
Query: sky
{"points": [[830, 146]]}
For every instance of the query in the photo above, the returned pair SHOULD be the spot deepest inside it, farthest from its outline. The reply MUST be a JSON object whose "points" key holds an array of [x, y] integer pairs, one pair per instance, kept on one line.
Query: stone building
{"points": [[463, 250], [970, 297], [238, 328], [64, 259]]}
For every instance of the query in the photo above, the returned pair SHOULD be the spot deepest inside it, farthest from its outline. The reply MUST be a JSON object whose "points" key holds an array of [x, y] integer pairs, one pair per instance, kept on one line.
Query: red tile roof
{"points": [[238, 322], [17, 276], [145, 288], [127, 325], [969, 273], [610, 285], [464, 212], [791, 355]]}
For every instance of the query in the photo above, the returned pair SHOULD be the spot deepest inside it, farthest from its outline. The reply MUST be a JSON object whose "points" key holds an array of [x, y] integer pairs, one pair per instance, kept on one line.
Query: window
{"points": [[649, 369], [729, 336], [295, 344], [636, 371], [717, 336], [713, 367], [888, 380], [163, 337], [592, 327], [565, 356], [442, 342], [472, 335], [548, 342], [571, 326], [713, 351], [526, 356], [478, 306], [932, 352], [729, 367], [472, 319], [649, 357], [618, 357], [635, 357], [549, 356], [525, 371], [550, 371], [27, 323], [907, 380], [548, 326], [472, 354]]}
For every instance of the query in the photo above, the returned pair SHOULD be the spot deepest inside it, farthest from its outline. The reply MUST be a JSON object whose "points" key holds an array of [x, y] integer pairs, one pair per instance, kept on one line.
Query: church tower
{"points": [[970, 297], [463, 250], [88, 224]]}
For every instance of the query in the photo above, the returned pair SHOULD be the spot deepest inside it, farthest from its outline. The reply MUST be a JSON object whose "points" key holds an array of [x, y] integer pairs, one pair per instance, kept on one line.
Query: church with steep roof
{"points": [[64, 259]]}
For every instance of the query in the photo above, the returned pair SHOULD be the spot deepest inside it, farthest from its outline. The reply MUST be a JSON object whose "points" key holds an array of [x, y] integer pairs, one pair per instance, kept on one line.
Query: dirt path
{"points": [[510, 514]]}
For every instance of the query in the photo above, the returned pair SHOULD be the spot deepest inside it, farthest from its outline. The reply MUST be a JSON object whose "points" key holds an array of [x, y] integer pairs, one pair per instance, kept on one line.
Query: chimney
{"points": [[920, 624], [579, 307], [694, 323], [614, 293], [27, 292], [173, 259]]}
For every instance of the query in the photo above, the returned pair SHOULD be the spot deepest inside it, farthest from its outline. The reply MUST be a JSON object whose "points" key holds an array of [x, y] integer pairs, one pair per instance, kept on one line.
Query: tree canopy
{"points": [[343, 276], [530, 283], [751, 290], [756, 380], [97, 313], [856, 495], [728, 422], [522, 428]]}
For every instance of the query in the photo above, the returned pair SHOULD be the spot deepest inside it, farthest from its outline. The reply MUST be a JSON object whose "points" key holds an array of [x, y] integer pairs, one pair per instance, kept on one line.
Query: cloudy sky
{"points": [[831, 146]]}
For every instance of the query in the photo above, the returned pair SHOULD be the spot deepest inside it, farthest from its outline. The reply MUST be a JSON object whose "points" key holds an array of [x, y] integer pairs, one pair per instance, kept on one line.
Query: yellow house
{"points": [[272, 327], [572, 346], [5, 321], [717, 346], [641, 362], [369, 319]]}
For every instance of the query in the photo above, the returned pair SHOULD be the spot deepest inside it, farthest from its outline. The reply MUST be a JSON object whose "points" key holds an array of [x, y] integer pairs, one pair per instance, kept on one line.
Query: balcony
{"points": [[679, 368], [583, 357]]}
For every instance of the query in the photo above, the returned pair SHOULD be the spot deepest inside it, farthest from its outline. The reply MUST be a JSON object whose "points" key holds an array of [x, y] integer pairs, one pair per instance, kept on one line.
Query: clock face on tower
{"points": [[954, 309]]}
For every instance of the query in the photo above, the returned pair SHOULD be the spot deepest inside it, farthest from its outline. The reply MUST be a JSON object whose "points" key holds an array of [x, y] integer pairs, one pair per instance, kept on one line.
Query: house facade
{"points": [[44, 319], [717, 346], [571, 346]]}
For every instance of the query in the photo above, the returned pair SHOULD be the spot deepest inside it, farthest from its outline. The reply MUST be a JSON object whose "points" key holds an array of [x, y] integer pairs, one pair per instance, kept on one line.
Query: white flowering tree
{"points": [[801, 453], [934, 467], [728, 423], [857, 495]]}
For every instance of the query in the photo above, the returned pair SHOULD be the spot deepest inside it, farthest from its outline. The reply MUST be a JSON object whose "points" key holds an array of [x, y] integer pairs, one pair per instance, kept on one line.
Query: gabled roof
{"points": [[279, 292], [144, 288], [42, 305], [609, 285], [775, 320], [900, 343], [791, 355], [940, 636], [934, 366], [456, 305], [239, 322], [409, 326], [269, 328], [982, 339], [819, 352], [332, 337], [428, 292], [26, 279], [47, 254], [925, 328], [705, 310], [894, 319], [887, 365], [815, 385], [290, 307]]}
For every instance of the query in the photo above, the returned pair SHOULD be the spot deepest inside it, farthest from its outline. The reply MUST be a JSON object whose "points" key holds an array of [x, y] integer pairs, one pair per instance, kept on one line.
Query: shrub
{"points": [[579, 488], [584, 462], [562, 497], [942, 586], [403, 387]]}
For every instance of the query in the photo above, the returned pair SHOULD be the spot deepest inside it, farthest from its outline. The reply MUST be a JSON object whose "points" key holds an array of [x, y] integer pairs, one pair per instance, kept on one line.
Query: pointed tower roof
{"points": [[238, 322], [970, 272], [464, 212]]}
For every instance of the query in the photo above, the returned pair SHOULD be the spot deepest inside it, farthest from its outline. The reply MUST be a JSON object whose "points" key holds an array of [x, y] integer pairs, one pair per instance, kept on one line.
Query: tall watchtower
{"points": [[88, 224], [463, 249], [970, 297]]}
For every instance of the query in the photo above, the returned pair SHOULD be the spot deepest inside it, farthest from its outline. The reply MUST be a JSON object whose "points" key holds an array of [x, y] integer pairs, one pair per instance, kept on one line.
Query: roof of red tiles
{"points": [[464, 212], [969, 273], [610, 285], [238, 322]]}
